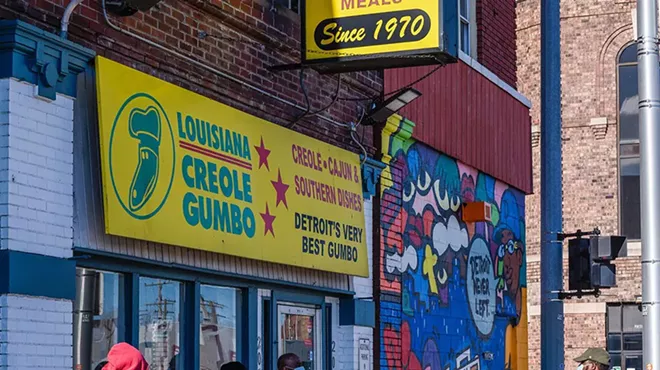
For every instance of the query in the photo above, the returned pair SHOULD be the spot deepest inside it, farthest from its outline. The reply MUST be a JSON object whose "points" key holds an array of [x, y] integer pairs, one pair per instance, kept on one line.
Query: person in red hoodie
{"points": [[123, 356]]}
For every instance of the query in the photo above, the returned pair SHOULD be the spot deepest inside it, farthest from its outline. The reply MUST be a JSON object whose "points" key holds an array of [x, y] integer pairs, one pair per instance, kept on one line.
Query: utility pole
{"points": [[649, 146], [552, 308]]}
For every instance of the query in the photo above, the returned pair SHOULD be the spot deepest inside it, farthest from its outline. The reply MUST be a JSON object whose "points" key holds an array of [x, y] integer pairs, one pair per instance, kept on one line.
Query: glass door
{"points": [[299, 332]]}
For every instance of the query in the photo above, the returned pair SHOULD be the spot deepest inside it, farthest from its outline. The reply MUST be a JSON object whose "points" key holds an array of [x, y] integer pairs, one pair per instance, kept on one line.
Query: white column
{"points": [[36, 216]]}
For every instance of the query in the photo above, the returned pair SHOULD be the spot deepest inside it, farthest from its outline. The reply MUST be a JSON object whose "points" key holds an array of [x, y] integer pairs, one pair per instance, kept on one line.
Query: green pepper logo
{"points": [[142, 156]]}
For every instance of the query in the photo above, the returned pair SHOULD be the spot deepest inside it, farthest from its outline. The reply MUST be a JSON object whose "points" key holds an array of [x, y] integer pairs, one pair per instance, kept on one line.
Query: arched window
{"points": [[629, 201]]}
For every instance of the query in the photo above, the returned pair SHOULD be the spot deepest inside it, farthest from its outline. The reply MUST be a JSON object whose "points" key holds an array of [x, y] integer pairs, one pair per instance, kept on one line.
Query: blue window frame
{"points": [[151, 307], [131, 276]]}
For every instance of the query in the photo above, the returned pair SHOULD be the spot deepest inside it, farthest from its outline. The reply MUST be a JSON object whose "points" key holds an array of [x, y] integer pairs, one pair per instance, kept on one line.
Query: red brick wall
{"points": [[496, 38], [252, 38]]}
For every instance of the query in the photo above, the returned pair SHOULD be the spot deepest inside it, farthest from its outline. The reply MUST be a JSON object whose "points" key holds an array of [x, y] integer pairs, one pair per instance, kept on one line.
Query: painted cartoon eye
{"points": [[408, 192], [424, 182], [455, 203], [441, 196], [501, 251], [511, 246]]}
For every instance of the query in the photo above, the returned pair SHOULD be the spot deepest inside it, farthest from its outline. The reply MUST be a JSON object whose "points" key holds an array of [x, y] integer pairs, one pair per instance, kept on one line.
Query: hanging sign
{"points": [[181, 169], [353, 34]]}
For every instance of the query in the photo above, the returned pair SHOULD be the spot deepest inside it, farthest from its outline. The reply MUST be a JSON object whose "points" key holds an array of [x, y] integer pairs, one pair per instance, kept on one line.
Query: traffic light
{"points": [[590, 262]]}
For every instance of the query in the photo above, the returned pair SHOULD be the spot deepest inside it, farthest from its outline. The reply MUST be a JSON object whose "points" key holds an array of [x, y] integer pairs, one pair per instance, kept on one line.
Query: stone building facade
{"points": [[600, 166]]}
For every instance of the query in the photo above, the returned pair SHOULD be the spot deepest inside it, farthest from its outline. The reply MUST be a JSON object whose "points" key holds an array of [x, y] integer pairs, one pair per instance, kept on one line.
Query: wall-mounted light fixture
{"points": [[383, 111]]}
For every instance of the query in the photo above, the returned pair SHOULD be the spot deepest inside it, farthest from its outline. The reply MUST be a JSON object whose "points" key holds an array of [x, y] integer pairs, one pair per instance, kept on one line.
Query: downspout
{"points": [[64, 27]]}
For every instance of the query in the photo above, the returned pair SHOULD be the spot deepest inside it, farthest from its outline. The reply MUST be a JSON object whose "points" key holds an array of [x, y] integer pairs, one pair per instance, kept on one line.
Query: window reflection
{"points": [[628, 103], [159, 322], [629, 202], [218, 321]]}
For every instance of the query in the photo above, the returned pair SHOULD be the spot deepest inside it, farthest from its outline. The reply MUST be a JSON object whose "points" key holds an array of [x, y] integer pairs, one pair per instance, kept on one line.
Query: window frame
{"points": [[305, 310], [270, 330], [619, 156], [191, 278], [622, 352], [471, 21], [189, 312]]}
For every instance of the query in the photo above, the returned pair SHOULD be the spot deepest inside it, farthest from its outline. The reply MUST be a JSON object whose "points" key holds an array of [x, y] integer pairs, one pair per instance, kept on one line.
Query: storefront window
{"points": [[299, 332], [160, 302], [97, 297], [219, 324]]}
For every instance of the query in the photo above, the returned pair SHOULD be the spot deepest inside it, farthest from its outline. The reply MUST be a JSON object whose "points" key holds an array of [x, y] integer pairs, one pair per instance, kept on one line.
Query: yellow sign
{"points": [[339, 29], [181, 169]]}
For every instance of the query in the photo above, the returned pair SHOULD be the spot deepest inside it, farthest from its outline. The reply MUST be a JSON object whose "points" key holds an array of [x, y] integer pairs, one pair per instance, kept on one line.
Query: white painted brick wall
{"points": [[35, 333], [36, 171]]}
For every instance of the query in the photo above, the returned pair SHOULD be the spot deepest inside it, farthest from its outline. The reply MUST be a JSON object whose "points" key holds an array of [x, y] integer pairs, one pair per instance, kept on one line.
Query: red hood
{"points": [[123, 356]]}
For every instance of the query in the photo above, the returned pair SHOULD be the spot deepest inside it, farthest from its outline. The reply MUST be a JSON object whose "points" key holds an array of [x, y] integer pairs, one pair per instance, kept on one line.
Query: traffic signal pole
{"points": [[649, 146], [552, 308]]}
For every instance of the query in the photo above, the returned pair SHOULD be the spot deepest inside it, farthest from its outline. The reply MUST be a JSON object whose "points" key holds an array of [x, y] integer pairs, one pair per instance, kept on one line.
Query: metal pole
{"points": [[649, 146], [552, 308], [83, 316]]}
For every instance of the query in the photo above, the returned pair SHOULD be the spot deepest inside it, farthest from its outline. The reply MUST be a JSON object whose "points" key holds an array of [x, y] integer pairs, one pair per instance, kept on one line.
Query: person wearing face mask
{"points": [[594, 359], [289, 361]]}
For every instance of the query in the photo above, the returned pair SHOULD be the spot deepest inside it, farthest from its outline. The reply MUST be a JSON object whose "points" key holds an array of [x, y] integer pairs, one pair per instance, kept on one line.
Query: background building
{"points": [[600, 165]]}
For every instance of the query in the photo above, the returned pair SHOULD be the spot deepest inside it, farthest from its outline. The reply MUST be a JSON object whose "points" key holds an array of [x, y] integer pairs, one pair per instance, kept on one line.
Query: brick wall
{"points": [[496, 38], [593, 32], [245, 38], [36, 216], [36, 171], [35, 333]]}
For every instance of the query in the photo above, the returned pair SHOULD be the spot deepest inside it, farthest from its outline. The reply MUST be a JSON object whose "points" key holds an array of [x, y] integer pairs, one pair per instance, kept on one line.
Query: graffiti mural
{"points": [[462, 286]]}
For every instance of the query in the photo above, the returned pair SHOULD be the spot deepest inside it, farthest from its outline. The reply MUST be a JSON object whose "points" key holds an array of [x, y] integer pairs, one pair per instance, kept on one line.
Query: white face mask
{"points": [[580, 367]]}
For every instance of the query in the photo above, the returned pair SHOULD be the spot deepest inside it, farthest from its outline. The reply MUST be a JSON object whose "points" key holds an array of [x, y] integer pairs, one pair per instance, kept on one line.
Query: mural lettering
{"points": [[481, 287]]}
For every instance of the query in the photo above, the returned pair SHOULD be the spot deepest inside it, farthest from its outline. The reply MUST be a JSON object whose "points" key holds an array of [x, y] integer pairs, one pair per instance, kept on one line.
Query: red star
{"points": [[281, 189], [263, 154], [268, 221]]}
